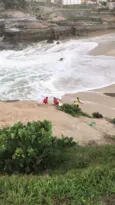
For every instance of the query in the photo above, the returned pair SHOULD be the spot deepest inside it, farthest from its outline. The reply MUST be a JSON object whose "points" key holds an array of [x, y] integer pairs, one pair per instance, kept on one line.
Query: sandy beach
{"points": [[64, 124]]}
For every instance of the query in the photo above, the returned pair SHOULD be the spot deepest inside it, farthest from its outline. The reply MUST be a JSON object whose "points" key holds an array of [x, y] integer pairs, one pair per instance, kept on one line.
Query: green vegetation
{"points": [[14, 3], [68, 173], [73, 110], [86, 187], [30, 148], [97, 115], [87, 177]]}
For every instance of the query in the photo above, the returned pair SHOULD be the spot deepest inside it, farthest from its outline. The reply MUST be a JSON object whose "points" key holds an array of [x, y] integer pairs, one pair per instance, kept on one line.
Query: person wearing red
{"points": [[45, 100], [56, 102]]}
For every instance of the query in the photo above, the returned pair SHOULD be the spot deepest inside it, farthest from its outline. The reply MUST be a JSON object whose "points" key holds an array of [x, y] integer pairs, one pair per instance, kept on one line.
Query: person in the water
{"points": [[61, 59]]}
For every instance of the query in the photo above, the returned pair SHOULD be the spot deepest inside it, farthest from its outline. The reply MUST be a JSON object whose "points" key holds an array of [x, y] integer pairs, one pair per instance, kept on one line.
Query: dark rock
{"points": [[58, 42]]}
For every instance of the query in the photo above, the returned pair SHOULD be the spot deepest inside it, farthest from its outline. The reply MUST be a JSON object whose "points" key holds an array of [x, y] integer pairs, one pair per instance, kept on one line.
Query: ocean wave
{"points": [[37, 70]]}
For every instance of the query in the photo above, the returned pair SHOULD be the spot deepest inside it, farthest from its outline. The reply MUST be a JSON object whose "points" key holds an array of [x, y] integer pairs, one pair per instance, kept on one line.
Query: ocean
{"points": [[37, 71]]}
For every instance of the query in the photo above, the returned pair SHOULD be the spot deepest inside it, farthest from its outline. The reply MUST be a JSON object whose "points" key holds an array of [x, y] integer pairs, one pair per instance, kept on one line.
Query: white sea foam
{"points": [[36, 71]]}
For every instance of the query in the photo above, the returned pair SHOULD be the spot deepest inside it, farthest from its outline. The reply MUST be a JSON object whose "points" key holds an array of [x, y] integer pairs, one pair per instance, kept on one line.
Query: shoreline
{"points": [[99, 99]]}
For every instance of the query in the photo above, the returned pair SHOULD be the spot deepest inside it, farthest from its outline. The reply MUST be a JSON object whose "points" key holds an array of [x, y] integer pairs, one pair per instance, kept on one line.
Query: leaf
{"points": [[12, 135], [20, 132]]}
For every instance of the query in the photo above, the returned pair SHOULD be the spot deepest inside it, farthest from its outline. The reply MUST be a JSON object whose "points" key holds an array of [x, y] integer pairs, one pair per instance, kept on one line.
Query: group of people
{"points": [[56, 101]]}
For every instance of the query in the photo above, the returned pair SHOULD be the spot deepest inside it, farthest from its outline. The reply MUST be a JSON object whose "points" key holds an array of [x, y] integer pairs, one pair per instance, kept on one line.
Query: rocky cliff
{"points": [[19, 26]]}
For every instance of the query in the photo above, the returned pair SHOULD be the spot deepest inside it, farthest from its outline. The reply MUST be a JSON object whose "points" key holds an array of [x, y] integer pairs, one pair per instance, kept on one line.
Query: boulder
{"points": [[57, 42]]}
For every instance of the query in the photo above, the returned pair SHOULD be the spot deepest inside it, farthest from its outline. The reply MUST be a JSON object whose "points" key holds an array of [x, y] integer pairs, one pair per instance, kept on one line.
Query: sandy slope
{"points": [[63, 123]]}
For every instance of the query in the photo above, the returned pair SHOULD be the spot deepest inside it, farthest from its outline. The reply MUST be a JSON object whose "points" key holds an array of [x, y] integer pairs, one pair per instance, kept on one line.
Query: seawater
{"points": [[36, 71]]}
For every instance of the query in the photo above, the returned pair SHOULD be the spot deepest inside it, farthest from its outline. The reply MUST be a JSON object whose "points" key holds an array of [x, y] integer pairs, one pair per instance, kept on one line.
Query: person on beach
{"points": [[45, 100], [56, 101], [77, 102]]}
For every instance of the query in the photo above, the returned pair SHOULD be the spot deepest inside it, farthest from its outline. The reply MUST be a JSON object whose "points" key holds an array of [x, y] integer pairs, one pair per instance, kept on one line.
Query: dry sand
{"points": [[78, 128], [63, 123]]}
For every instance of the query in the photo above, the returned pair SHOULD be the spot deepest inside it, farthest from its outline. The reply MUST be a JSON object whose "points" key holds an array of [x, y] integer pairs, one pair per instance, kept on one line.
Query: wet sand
{"points": [[106, 49]]}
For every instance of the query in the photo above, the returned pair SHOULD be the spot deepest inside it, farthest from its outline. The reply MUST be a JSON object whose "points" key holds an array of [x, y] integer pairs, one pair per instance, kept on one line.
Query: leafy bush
{"points": [[86, 175], [30, 148], [97, 115], [72, 110]]}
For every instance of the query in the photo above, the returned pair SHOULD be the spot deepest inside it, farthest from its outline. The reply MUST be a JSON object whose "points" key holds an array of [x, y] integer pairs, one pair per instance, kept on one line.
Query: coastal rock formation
{"points": [[26, 30], [62, 32], [20, 27], [27, 35]]}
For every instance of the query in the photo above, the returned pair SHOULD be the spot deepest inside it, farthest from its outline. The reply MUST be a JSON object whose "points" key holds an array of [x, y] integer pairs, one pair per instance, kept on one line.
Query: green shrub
{"points": [[97, 115], [30, 148], [72, 110]]}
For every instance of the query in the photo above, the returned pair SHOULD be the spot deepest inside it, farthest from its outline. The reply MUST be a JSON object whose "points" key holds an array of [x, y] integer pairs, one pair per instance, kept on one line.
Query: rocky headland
{"points": [[51, 23]]}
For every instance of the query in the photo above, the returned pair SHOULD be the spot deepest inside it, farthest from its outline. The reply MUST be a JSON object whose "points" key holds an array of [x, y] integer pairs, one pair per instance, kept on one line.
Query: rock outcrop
{"points": [[73, 23]]}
